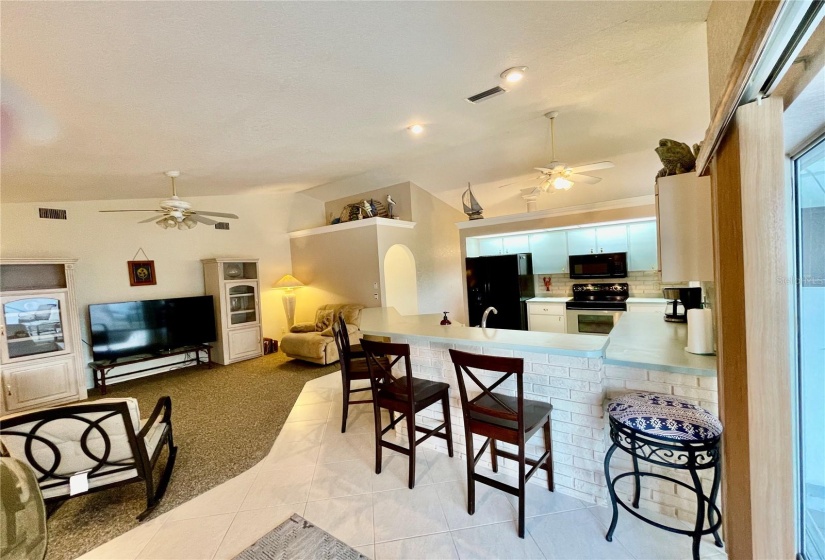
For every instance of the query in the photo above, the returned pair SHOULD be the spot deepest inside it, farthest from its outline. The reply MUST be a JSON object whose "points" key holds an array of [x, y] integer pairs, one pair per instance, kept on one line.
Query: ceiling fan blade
{"points": [[576, 178], [592, 167], [152, 219], [156, 211], [203, 220], [543, 170], [217, 214]]}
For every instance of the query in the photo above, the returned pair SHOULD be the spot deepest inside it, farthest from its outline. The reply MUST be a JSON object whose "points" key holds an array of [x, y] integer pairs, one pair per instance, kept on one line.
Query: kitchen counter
{"points": [[550, 299], [644, 340], [567, 370], [386, 321], [647, 300]]}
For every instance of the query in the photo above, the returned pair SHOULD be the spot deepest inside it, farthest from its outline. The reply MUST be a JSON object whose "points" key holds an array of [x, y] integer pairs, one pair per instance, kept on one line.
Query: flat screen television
{"points": [[131, 328]]}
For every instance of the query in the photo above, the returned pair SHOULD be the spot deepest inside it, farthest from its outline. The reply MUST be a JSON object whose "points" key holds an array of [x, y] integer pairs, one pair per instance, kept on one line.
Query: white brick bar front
{"points": [[578, 388]]}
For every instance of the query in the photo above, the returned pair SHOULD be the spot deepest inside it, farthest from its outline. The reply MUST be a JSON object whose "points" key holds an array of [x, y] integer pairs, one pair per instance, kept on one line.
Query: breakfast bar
{"points": [[576, 374]]}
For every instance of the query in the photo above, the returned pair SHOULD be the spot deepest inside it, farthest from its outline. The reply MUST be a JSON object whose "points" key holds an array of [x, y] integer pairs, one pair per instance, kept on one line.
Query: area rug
{"points": [[225, 420], [298, 538]]}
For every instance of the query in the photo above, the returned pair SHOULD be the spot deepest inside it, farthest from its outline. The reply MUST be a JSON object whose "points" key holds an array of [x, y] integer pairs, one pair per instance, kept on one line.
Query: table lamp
{"points": [[289, 284]]}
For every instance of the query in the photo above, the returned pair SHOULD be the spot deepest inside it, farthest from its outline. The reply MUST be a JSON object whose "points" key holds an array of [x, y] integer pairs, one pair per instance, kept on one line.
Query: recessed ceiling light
{"points": [[416, 128], [514, 74]]}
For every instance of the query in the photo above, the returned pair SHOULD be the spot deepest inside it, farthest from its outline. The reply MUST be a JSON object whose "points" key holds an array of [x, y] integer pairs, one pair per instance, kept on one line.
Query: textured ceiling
{"points": [[244, 96]]}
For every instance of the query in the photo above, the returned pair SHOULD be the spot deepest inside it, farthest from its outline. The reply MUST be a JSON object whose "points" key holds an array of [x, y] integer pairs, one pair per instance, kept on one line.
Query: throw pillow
{"points": [[323, 319]]}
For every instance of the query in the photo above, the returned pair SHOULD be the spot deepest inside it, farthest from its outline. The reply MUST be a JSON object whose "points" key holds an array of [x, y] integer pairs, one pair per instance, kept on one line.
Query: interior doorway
{"points": [[400, 281]]}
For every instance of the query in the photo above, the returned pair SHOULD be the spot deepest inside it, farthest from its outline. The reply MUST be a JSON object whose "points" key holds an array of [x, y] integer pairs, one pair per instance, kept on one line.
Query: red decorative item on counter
{"points": [[548, 282], [445, 321]]}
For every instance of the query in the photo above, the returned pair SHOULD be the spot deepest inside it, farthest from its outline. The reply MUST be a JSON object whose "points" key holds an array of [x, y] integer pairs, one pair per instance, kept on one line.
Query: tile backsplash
{"points": [[645, 283]]}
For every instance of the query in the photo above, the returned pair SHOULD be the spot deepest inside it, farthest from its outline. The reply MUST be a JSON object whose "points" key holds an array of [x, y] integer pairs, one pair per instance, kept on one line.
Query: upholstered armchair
{"points": [[81, 448], [313, 341]]}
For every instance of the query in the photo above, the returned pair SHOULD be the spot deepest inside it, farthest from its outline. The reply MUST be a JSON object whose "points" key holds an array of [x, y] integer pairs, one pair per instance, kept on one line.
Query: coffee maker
{"points": [[689, 298]]}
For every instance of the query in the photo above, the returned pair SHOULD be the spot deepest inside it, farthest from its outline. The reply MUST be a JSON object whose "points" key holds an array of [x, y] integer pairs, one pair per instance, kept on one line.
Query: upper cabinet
{"points": [[512, 244], [642, 248], [611, 239], [683, 208], [549, 251], [581, 241], [604, 239], [490, 246]]}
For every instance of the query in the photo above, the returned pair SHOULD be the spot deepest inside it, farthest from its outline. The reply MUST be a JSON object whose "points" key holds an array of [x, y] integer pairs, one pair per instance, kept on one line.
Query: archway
{"points": [[400, 282]]}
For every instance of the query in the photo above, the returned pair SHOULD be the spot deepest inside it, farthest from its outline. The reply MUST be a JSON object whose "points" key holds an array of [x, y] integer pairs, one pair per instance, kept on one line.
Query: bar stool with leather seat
{"points": [[500, 417], [406, 395], [353, 368]]}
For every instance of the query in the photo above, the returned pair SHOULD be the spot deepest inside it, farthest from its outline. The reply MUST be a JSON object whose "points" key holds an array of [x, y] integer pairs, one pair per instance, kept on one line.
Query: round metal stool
{"points": [[668, 432]]}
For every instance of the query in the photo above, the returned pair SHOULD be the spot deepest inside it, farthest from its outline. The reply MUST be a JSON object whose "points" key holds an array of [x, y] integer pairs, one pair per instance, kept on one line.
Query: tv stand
{"points": [[101, 368]]}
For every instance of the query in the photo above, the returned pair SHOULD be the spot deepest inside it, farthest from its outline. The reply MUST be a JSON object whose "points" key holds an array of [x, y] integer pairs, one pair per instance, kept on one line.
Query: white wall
{"points": [[104, 242], [400, 284]]}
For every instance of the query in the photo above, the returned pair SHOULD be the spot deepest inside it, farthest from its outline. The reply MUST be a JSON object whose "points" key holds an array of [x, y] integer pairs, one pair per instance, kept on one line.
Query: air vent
{"points": [[222, 225], [52, 214], [479, 97]]}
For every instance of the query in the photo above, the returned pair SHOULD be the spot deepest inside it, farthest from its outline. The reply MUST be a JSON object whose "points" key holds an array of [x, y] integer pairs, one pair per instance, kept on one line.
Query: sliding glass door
{"points": [[809, 171]]}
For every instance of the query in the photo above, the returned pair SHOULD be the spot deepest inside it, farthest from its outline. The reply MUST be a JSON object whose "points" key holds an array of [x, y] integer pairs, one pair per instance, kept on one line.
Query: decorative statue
{"points": [[471, 206], [676, 157], [390, 207], [367, 209]]}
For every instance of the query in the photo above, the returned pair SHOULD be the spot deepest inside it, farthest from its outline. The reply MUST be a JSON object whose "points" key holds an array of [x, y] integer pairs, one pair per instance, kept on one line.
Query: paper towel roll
{"points": [[700, 331]]}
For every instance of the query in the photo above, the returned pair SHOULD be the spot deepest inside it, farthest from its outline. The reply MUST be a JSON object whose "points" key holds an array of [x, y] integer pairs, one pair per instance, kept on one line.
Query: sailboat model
{"points": [[471, 206]]}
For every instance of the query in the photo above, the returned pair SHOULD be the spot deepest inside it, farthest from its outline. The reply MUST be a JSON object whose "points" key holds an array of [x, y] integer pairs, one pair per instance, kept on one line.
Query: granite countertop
{"points": [[647, 300], [541, 299], [644, 340], [386, 321]]}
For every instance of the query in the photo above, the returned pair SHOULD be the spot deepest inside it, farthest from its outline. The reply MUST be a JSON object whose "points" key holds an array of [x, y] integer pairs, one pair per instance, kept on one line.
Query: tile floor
{"points": [[328, 477]]}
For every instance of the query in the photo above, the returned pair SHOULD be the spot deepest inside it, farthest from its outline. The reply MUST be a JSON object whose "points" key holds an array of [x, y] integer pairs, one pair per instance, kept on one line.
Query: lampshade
{"points": [[288, 282]]}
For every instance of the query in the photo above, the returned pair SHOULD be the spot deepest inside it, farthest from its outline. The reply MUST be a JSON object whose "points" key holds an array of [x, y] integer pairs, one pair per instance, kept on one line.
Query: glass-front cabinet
{"points": [[39, 335], [235, 286], [33, 326], [243, 308]]}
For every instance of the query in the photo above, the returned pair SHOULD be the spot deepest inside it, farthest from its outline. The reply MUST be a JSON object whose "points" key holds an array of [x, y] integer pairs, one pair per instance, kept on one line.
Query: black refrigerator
{"points": [[504, 282]]}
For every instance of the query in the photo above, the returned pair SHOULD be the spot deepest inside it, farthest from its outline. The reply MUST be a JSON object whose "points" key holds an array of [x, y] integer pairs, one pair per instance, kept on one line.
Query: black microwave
{"points": [[598, 265]]}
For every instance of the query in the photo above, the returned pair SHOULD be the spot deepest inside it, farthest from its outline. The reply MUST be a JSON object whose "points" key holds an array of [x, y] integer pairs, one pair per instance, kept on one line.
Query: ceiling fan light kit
{"points": [[175, 213]]}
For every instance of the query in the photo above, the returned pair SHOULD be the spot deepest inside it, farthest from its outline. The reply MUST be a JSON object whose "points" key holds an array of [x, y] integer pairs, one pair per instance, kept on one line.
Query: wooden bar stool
{"points": [[405, 395], [499, 417], [353, 368]]}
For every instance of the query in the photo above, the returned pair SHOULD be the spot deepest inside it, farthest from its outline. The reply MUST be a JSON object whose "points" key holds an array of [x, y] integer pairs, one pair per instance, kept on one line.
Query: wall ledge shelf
{"points": [[529, 216], [351, 225]]}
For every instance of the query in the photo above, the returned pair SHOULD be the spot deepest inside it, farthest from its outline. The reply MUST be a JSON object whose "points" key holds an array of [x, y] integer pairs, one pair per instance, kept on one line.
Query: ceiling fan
{"points": [[177, 213], [557, 176]]}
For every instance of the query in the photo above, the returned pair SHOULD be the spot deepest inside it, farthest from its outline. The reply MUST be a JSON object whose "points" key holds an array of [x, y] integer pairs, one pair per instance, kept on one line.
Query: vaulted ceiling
{"points": [[245, 96]]}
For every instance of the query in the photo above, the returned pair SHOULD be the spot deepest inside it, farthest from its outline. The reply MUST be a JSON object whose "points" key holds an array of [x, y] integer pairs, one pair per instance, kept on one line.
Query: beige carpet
{"points": [[225, 420]]}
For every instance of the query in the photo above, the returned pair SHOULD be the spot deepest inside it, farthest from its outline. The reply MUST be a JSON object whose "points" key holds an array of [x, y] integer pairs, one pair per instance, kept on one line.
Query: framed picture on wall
{"points": [[142, 273]]}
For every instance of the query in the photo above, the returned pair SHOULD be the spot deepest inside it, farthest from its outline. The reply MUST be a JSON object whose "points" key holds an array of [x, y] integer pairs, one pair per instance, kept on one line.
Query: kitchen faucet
{"points": [[486, 313]]}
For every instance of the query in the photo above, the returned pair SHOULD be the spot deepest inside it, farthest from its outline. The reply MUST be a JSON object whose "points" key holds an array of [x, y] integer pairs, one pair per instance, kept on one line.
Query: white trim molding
{"points": [[351, 225], [645, 200]]}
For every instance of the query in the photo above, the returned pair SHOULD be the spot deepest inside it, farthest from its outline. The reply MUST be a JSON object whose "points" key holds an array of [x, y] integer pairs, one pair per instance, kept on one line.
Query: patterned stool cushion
{"points": [[664, 416]]}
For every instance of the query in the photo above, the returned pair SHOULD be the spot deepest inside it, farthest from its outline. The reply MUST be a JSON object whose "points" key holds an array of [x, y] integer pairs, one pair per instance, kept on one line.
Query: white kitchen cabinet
{"points": [[581, 241], [490, 246], [549, 251], [235, 288], [512, 244], [472, 247], [611, 239], [642, 248], [546, 317], [683, 212]]}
